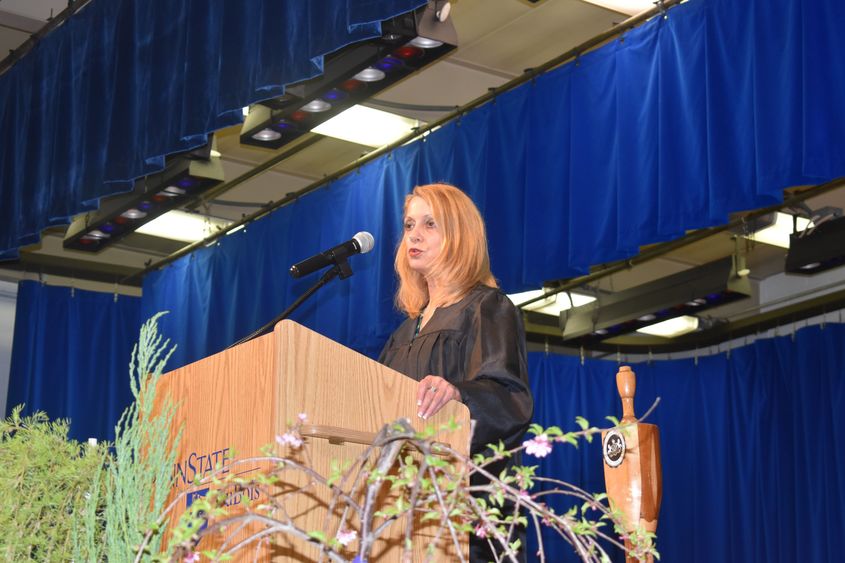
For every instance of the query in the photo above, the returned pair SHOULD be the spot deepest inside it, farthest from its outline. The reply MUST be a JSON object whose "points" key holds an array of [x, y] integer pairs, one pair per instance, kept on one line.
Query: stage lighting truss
{"points": [[686, 293], [351, 75], [183, 179]]}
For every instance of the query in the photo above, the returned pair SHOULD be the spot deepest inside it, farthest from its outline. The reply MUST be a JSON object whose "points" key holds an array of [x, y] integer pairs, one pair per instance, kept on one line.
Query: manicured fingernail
{"points": [[419, 414], [419, 403]]}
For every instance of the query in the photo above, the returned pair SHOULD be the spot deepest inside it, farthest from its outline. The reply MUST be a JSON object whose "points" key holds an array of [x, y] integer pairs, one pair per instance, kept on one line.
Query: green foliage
{"points": [[82, 502], [45, 477], [139, 479]]}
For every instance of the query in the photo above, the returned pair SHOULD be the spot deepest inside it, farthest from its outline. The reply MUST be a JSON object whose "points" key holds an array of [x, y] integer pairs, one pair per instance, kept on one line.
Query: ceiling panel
{"points": [[537, 35]]}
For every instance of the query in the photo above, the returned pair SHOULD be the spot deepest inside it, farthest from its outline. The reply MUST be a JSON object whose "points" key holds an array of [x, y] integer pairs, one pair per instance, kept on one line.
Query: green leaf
{"points": [[317, 535], [430, 515], [553, 431]]}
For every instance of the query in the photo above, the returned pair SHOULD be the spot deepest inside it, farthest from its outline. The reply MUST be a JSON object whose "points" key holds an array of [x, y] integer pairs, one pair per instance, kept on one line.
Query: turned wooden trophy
{"points": [[632, 472]]}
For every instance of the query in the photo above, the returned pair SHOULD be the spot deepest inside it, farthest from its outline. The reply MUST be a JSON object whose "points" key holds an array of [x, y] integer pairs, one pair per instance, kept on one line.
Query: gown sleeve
{"points": [[495, 388]]}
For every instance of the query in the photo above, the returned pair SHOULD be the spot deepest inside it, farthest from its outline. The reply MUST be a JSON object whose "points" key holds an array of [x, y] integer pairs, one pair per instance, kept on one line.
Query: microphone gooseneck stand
{"points": [[341, 269]]}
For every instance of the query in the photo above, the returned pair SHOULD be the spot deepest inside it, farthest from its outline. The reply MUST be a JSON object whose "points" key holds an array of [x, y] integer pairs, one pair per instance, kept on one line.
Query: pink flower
{"points": [[538, 446], [481, 531], [192, 557], [302, 417], [290, 439], [345, 537]]}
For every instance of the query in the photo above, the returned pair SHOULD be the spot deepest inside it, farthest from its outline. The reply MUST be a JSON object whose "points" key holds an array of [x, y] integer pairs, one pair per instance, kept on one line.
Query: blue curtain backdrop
{"points": [[751, 446], [71, 356], [681, 122], [102, 99]]}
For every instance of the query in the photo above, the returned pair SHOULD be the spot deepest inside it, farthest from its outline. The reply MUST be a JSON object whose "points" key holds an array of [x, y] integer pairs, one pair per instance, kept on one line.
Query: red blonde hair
{"points": [[463, 261]]}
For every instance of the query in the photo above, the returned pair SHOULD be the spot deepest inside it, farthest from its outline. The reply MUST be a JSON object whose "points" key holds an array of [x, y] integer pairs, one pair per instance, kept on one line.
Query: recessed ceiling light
{"points": [[370, 75], [316, 106], [267, 135], [425, 42], [172, 191], [96, 234], [552, 305], [367, 126], [182, 226], [133, 214], [672, 327]]}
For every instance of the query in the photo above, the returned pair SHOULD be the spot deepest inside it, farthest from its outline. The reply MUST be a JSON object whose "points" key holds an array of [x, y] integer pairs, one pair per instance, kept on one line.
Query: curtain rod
{"points": [[17, 54], [527, 76]]}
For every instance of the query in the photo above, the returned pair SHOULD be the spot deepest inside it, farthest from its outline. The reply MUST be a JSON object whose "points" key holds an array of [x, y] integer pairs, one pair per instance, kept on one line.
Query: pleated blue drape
{"points": [[673, 127], [751, 446], [102, 99], [71, 356]]}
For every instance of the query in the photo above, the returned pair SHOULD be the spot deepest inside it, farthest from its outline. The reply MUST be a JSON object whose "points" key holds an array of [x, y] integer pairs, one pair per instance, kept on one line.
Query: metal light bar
{"points": [[685, 293], [351, 75], [182, 179]]}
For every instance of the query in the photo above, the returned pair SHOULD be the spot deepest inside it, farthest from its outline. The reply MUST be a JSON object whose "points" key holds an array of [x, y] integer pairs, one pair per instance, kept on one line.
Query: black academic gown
{"points": [[477, 345]]}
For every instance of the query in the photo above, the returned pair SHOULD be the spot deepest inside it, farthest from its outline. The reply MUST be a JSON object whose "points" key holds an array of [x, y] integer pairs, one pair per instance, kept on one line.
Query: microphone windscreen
{"points": [[365, 241]]}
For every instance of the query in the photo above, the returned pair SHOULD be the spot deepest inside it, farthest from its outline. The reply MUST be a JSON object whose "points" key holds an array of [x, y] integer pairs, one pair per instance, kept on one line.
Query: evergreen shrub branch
{"points": [[67, 501]]}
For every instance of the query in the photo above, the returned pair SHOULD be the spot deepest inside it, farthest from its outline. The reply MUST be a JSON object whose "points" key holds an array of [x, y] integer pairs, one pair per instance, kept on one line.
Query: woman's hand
{"points": [[433, 393]]}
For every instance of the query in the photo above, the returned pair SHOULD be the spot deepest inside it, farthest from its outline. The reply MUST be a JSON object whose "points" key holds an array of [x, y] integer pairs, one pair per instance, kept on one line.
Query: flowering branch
{"points": [[404, 474]]}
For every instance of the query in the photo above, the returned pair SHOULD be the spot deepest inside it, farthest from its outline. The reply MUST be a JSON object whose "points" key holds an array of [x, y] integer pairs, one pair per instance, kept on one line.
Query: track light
{"points": [[184, 177], [351, 75], [686, 293]]}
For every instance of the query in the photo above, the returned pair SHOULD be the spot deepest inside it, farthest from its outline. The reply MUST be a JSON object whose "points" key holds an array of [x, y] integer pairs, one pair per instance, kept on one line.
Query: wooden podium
{"points": [[234, 402]]}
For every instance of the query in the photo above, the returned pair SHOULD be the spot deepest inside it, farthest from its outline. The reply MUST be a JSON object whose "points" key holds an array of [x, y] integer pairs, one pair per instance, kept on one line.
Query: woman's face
{"points": [[423, 238]]}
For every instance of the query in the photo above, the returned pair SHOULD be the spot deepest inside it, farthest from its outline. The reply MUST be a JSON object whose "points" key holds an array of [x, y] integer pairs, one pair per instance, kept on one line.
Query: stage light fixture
{"points": [[686, 293], [817, 249], [351, 75], [184, 177]]}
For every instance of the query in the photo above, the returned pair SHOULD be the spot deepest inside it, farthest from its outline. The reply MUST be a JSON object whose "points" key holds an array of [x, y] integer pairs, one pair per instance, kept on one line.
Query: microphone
{"points": [[361, 243]]}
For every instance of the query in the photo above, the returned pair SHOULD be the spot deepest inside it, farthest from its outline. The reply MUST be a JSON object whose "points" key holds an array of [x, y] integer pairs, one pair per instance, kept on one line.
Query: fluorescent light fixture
{"points": [[186, 227], [777, 234], [367, 126], [551, 305], [672, 327], [629, 7]]}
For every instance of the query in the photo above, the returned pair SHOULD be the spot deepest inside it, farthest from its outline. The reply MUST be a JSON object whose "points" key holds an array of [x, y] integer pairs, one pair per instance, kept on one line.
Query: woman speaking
{"points": [[463, 339]]}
